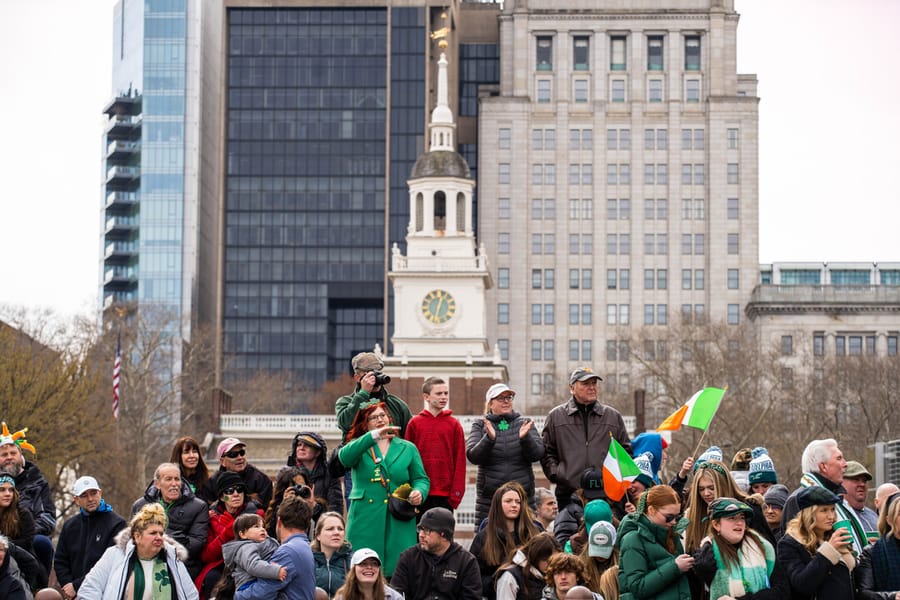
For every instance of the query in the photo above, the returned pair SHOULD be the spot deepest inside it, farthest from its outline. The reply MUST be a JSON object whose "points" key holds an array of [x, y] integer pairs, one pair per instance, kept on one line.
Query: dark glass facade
{"points": [[306, 123]]}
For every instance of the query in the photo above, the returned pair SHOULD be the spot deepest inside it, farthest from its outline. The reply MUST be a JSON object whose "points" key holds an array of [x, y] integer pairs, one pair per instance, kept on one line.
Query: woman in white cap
{"points": [[365, 580], [504, 445]]}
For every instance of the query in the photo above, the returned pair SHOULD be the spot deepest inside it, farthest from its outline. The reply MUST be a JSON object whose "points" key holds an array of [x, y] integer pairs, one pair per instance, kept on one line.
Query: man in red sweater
{"points": [[441, 443]]}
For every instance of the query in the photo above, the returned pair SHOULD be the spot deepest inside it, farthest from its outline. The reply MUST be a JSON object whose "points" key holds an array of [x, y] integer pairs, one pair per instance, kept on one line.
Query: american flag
{"points": [[117, 366]]}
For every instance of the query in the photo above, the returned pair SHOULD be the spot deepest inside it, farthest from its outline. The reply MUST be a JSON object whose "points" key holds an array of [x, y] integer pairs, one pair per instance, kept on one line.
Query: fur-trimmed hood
{"points": [[124, 543]]}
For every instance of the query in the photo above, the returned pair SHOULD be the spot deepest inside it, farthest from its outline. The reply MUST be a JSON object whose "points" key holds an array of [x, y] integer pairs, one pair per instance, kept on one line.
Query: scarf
{"points": [[749, 576], [161, 586], [885, 558], [844, 511]]}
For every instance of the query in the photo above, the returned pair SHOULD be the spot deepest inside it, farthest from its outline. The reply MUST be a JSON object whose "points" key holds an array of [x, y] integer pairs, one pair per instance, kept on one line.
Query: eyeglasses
{"points": [[504, 398], [424, 530], [235, 453], [235, 489], [377, 417]]}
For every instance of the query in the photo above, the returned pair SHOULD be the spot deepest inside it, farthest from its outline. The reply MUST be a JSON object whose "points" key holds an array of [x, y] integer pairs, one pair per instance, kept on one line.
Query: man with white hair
{"points": [[823, 465]]}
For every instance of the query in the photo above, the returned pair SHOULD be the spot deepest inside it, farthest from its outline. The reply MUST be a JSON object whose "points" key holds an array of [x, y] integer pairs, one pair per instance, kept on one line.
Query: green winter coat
{"points": [[646, 569], [369, 524]]}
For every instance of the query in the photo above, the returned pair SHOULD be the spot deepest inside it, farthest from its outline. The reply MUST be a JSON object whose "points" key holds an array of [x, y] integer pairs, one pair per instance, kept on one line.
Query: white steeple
{"points": [[442, 125]]}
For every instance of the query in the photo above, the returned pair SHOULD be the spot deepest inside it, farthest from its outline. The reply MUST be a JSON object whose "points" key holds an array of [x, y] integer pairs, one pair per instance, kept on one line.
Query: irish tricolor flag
{"points": [[697, 412], [619, 471]]}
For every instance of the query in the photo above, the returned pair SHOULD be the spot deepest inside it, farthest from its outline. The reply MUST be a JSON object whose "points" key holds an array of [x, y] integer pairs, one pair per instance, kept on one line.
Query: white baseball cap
{"points": [[495, 390], [84, 484], [362, 554]]}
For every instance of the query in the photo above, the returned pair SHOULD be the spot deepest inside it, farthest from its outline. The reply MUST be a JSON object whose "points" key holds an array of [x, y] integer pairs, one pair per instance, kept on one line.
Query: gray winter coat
{"points": [[506, 458], [249, 560]]}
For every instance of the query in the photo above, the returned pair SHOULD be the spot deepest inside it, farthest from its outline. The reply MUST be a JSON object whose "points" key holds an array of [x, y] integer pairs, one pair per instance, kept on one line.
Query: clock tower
{"points": [[440, 320]]}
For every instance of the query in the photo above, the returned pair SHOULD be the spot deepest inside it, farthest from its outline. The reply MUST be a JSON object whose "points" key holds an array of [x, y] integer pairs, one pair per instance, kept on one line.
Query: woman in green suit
{"points": [[379, 463]]}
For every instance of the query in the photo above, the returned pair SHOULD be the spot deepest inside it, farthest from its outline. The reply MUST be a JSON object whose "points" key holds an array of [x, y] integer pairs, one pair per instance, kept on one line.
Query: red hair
{"points": [[360, 424]]}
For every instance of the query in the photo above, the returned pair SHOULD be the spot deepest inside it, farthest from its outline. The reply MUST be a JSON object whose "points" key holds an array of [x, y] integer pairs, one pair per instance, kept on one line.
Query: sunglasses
{"points": [[669, 518], [235, 453], [236, 489]]}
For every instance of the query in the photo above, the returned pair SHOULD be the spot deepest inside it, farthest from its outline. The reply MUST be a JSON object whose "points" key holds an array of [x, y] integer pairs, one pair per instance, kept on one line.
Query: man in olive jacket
{"points": [[576, 434]]}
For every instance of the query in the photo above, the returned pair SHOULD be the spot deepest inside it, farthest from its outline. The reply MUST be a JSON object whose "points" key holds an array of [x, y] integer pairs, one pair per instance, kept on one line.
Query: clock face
{"points": [[438, 306]]}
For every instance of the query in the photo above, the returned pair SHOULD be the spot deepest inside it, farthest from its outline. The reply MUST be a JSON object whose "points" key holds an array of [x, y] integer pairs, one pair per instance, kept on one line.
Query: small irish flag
{"points": [[619, 471], [697, 412]]}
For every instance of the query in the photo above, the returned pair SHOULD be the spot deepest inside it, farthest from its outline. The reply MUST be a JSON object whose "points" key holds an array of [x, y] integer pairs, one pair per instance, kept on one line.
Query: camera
{"points": [[302, 491], [381, 378]]}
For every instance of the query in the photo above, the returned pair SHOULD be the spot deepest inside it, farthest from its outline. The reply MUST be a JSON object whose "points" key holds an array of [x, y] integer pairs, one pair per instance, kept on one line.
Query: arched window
{"points": [[440, 211], [420, 212]]}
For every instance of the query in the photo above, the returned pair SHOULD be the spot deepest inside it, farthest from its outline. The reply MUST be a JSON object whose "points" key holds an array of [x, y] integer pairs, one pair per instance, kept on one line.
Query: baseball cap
{"points": [[495, 390], [227, 444], [367, 361], [855, 469], [727, 507], [583, 374], [602, 539], [363, 554], [84, 484], [592, 484]]}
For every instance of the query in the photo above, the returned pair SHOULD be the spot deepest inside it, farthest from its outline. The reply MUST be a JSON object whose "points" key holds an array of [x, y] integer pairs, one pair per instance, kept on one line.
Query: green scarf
{"points": [[161, 586], [749, 576]]}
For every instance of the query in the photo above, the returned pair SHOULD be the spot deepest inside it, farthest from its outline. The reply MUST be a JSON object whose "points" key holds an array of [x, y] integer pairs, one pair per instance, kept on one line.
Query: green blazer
{"points": [[369, 524]]}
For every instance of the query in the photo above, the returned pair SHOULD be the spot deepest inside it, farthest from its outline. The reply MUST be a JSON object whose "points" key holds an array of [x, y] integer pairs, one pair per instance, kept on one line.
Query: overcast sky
{"points": [[829, 137]]}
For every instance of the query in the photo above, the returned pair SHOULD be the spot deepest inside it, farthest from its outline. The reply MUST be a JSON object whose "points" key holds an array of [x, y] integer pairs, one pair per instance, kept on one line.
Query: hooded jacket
{"points": [[83, 540], [421, 575], [249, 560], [108, 578], [34, 494], [646, 569], [442, 445], [505, 458], [188, 521], [326, 487]]}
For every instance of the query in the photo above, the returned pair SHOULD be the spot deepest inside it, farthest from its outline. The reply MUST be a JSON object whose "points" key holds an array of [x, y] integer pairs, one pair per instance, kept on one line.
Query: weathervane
{"points": [[441, 34]]}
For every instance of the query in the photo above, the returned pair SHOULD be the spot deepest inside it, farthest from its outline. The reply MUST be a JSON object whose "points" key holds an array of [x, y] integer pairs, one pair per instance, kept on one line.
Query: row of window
{"points": [[845, 345], [618, 52], [619, 243], [654, 279], [616, 139], [619, 314], [618, 174], [617, 90]]}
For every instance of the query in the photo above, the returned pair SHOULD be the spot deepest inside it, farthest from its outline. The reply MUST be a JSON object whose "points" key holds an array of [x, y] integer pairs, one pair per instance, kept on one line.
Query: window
{"points": [[855, 345], [549, 279], [687, 245], [734, 175], [662, 276], [649, 209], [699, 209], [618, 90], [892, 345], [687, 139], [686, 279], [612, 312], [543, 93], [536, 353], [692, 53], [503, 278], [662, 208], [649, 174], [573, 279], [502, 243], [624, 174], [734, 279], [503, 208], [734, 315], [617, 53], [549, 314], [624, 279], [648, 279], [649, 243], [624, 314], [655, 53], [587, 139], [787, 378], [550, 174], [787, 345], [587, 350], [537, 139], [699, 279], [549, 208], [818, 344], [889, 276], [612, 279], [732, 208], [662, 174], [587, 278], [612, 174], [544, 53], [587, 174], [649, 139], [503, 313], [733, 245], [537, 174], [611, 347], [699, 174], [692, 90], [573, 314], [503, 345], [549, 350], [503, 174], [574, 243], [537, 278], [732, 136], [587, 209], [587, 314], [624, 139], [840, 345], [699, 243], [537, 243], [686, 173], [573, 349], [504, 137], [699, 139], [662, 316], [537, 209], [655, 90], [662, 139], [618, 139], [649, 312], [581, 90], [549, 243], [581, 53], [535, 314]]}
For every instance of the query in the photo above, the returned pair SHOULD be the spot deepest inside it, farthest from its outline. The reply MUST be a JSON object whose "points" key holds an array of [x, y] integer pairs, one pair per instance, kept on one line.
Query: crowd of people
{"points": [[373, 519]]}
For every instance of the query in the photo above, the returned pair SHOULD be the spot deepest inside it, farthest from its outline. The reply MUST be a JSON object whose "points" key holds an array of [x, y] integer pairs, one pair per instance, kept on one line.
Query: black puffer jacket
{"points": [[34, 494], [188, 522], [506, 458]]}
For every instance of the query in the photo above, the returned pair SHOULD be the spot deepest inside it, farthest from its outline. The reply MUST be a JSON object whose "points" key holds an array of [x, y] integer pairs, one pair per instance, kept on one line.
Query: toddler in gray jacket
{"points": [[247, 557]]}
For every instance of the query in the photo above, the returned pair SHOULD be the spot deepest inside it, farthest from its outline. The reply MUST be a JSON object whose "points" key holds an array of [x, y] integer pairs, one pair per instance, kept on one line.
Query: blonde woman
{"points": [[143, 563]]}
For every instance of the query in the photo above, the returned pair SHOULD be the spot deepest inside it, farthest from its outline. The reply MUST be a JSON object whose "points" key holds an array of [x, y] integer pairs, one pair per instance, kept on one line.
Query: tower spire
{"points": [[442, 126]]}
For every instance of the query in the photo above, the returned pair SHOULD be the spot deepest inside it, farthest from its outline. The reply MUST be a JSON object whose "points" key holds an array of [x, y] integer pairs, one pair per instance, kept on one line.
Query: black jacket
{"points": [[864, 575], [705, 569], [34, 494], [188, 522], [25, 539], [813, 576], [488, 571], [255, 481], [10, 588], [420, 575], [327, 488], [83, 540], [505, 458]]}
